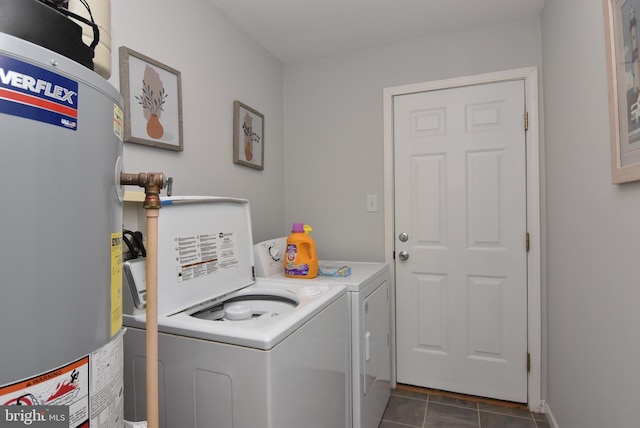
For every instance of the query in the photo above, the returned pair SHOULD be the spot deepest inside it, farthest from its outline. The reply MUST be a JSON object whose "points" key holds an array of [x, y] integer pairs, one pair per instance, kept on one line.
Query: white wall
{"points": [[333, 125], [218, 64], [593, 234]]}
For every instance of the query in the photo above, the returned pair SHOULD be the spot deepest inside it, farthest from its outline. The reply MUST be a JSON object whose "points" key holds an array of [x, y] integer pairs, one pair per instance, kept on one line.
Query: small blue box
{"points": [[334, 270]]}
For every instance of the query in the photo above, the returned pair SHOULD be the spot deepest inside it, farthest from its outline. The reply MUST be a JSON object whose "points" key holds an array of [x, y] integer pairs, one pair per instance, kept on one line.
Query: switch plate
{"points": [[372, 203]]}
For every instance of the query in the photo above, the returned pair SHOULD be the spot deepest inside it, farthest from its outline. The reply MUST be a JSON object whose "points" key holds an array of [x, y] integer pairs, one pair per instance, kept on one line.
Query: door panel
{"points": [[460, 195]]}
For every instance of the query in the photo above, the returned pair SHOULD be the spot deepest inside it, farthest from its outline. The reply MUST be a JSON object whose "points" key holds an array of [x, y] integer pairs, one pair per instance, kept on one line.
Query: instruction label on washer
{"points": [[205, 254]]}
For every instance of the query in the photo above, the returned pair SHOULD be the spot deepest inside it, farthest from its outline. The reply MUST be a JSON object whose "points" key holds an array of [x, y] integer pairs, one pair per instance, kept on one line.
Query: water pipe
{"points": [[152, 183]]}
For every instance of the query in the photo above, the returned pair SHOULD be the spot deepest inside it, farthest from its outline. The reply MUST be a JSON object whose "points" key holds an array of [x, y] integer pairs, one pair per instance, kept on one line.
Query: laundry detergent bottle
{"points": [[300, 259]]}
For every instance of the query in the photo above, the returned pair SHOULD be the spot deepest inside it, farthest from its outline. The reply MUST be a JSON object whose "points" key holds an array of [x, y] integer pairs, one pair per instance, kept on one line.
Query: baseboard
{"points": [[549, 414]]}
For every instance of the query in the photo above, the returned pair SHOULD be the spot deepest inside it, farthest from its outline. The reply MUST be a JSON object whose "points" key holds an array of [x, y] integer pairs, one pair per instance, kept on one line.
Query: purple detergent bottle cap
{"points": [[297, 227]]}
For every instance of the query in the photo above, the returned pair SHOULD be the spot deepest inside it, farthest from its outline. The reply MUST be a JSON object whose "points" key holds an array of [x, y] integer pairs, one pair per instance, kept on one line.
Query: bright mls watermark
{"points": [[34, 416]]}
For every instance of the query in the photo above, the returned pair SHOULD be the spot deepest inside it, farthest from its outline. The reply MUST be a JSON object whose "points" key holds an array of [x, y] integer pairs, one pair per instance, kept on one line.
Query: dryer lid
{"points": [[204, 250]]}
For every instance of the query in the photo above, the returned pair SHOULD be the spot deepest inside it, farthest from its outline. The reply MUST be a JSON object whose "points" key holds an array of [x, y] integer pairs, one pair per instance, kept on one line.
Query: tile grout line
{"points": [[426, 409], [496, 412], [399, 423], [479, 418], [534, 420]]}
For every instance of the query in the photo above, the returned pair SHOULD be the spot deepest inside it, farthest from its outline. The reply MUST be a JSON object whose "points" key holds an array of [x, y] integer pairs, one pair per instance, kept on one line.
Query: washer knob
{"points": [[274, 252]]}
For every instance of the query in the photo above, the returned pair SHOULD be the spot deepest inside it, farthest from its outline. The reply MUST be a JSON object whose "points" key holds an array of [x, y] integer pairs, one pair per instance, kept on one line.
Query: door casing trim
{"points": [[534, 267]]}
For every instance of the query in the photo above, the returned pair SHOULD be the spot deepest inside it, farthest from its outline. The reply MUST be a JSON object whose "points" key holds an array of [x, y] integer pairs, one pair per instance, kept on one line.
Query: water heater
{"points": [[61, 228]]}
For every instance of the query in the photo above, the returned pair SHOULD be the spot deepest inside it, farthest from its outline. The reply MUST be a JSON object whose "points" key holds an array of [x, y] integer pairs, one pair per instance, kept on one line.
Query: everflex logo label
{"points": [[36, 93], [34, 416]]}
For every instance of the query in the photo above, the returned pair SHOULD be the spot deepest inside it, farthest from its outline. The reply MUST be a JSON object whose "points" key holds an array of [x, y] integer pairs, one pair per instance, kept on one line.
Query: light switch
{"points": [[372, 203]]}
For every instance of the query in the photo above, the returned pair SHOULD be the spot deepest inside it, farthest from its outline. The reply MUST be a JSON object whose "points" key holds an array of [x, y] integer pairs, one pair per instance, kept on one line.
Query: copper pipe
{"points": [[152, 317], [153, 183]]}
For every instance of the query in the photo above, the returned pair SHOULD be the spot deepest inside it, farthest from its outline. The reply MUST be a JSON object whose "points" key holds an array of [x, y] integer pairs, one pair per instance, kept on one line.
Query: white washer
{"points": [[369, 326], [233, 352]]}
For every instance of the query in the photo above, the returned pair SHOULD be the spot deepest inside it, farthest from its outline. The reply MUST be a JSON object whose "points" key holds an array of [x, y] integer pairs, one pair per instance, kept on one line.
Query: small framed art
{"points": [[152, 98], [248, 136]]}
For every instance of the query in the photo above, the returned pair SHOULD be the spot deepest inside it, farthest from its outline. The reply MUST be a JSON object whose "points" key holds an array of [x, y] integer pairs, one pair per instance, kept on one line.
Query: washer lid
{"points": [[204, 250]]}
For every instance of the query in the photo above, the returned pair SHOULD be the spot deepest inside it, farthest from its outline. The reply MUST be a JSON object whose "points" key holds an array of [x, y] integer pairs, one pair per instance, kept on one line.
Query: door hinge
{"points": [[526, 120], [528, 241], [528, 362]]}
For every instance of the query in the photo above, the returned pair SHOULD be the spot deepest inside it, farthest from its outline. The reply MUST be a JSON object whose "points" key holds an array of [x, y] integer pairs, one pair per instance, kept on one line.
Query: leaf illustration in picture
{"points": [[248, 131], [152, 99]]}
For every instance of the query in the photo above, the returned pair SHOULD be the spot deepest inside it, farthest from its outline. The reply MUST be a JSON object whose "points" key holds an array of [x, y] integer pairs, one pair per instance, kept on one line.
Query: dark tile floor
{"points": [[413, 407]]}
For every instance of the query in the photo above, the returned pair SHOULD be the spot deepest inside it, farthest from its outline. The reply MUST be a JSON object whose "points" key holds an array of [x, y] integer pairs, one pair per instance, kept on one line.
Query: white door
{"points": [[460, 198]]}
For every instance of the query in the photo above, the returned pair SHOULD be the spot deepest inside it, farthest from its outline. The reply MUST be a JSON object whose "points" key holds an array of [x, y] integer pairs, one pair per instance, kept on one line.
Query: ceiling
{"points": [[295, 30]]}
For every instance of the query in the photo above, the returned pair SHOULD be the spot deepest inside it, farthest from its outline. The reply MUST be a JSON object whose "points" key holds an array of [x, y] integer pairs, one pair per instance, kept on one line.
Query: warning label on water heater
{"points": [[89, 389], [206, 254]]}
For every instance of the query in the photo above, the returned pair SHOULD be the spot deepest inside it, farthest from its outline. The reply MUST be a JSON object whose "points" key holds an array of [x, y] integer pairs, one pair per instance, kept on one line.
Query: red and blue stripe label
{"points": [[35, 93]]}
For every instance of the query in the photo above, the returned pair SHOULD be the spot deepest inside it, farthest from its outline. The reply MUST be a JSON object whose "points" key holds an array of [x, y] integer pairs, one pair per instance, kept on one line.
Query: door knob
{"points": [[403, 237], [403, 255]]}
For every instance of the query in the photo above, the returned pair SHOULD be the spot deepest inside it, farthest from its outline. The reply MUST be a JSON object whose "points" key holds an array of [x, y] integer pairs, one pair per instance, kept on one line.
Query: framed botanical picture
{"points": [[152, 98], [623, 70], [248, 136]]}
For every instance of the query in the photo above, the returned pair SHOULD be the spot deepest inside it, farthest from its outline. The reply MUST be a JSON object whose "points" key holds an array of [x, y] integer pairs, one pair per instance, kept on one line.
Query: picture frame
{"points": [[152, 101], [623, 73], [248, 136]]}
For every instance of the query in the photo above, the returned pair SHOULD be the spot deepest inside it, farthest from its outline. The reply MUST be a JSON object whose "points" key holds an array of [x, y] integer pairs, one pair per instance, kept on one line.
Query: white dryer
{"points": [[233, 351], [369, 327]]}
